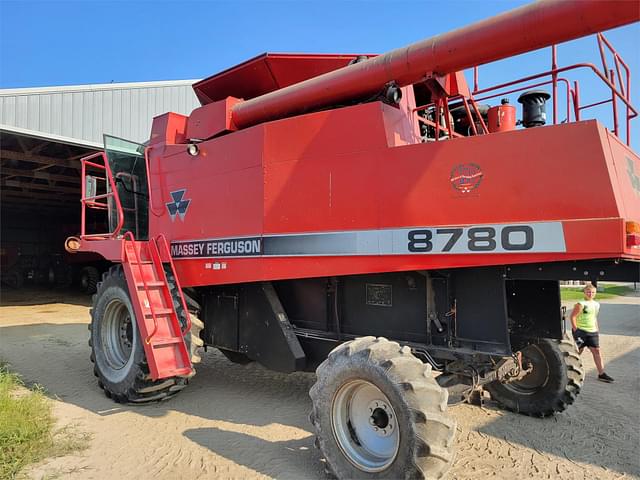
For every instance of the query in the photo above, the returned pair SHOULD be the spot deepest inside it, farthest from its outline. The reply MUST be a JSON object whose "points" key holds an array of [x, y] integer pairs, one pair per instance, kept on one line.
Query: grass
{"points": [[26, 427], [610, 291]]}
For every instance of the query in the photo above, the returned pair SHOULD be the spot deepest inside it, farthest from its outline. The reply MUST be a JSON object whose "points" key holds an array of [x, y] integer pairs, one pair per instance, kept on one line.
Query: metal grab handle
{"points": [[89, 201], [148, 167], [167, 250]]}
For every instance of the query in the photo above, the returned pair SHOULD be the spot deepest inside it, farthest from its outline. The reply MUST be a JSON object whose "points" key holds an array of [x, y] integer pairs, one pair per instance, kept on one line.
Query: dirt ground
{"points": [[246, 422]]}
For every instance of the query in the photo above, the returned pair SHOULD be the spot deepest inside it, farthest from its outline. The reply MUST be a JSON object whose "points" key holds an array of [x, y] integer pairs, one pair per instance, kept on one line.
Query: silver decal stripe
{"points": [[487, 238]]}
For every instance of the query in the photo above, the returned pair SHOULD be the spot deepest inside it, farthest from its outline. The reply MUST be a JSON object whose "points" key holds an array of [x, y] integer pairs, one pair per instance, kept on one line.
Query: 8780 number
{"points": [[478, 239]]}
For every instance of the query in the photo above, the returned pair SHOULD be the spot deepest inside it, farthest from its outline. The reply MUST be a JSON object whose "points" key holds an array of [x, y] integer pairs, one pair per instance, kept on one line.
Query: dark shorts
{"points": [[586, 339]]}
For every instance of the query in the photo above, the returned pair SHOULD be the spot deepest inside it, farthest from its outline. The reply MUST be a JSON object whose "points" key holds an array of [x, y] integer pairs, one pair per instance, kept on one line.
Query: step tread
{"points": [[158, 311], [166, 341], [151, 283]]}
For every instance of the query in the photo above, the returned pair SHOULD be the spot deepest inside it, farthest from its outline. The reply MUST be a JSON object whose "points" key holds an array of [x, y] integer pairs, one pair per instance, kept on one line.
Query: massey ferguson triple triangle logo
{"points": [[178, 206]]}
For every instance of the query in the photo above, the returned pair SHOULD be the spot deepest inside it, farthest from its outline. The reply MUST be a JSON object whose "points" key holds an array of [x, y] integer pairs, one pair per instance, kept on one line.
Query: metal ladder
{"points": [[153, 303]]}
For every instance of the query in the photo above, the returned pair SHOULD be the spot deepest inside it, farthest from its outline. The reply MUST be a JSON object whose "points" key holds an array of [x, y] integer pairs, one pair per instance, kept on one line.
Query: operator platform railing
{"points": [[620, 75], [102, 201]]}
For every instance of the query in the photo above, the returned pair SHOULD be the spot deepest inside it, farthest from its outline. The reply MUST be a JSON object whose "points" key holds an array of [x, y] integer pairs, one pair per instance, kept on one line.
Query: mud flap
{"points": [[265, 333], [481, 310]]}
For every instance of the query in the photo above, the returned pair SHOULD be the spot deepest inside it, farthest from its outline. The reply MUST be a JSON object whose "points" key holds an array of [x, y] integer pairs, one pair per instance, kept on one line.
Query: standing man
{"points": [[584, 326]]}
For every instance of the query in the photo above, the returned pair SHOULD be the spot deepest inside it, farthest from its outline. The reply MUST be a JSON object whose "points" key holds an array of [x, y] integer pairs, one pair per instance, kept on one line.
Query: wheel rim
{"points": [[365, 426], [84, 281], [537, 378], [117, 334]]}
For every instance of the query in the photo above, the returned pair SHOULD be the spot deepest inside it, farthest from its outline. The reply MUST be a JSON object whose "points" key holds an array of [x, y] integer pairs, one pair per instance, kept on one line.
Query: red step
{"points": [[157, 319]]}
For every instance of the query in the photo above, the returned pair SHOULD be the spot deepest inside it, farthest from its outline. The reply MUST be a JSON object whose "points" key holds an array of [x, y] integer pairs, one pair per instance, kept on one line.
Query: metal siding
{"points": [[76, 110], [21, 111], [45, 112], [116, 116], [33, 112], [85, 113], [136, 128], [56, 114], [125, 125], [107, 112], [96, 113], [67, 115], [8, 113]]}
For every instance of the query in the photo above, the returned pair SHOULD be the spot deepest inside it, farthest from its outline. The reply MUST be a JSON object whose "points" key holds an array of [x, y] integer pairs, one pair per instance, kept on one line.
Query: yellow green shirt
{"points": [[588, 318]]}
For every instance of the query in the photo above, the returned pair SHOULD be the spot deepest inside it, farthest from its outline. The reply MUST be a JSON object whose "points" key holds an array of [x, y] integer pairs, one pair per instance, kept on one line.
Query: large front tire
{"points": [[116, 347], [379, 413], [552, 385]]}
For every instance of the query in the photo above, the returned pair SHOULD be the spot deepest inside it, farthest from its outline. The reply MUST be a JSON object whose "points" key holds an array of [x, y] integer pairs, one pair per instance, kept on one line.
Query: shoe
{"points": [[603, 377]]}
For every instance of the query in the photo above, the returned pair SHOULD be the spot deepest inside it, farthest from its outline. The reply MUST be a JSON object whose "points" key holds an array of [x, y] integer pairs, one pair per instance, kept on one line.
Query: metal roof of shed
{"points": [[81, 114]]}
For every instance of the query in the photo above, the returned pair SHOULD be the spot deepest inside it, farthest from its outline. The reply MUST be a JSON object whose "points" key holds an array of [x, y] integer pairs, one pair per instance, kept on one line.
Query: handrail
{"points": [[445, 108], [134, 182], [147, 164], [621, 93], [175, 277], [560, 70], [89, 202]]}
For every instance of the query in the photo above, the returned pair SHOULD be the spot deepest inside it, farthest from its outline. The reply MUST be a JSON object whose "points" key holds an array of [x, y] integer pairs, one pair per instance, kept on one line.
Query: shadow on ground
{"points": [[248, 398]]}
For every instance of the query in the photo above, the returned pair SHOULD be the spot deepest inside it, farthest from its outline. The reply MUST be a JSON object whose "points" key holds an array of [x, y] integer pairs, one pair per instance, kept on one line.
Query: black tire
{"points": [[89, 277], [424, 445], [553, 384], [120, 365], [194, 343]]}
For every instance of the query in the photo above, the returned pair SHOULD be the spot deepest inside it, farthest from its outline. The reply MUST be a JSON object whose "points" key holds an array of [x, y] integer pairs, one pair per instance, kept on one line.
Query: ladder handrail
{"points": [[129, 236], [167, 250]]}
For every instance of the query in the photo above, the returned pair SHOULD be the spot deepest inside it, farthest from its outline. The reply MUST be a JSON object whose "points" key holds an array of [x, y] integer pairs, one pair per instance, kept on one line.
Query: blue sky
{"points": [[53, 42]]}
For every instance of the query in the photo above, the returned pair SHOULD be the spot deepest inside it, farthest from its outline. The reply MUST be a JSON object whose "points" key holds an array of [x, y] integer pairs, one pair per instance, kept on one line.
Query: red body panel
{"points": [[337, 171], [266, 73], [353, 189]]}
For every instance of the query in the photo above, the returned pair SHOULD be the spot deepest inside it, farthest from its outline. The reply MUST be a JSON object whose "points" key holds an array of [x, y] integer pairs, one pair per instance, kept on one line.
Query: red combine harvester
{"points": [[369, 217]]}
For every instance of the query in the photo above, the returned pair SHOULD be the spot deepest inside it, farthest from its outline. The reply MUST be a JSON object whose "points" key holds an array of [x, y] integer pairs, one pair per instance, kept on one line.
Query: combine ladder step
{"points": [[150, 284]]}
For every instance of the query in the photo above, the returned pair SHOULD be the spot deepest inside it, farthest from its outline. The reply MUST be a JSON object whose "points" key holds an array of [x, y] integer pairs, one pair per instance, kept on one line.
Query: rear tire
{"points": [[553, 384], [116, 347], [379, 413]]}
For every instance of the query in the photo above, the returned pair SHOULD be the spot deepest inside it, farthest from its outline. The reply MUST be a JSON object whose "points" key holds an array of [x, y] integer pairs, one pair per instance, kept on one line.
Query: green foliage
{"points": [[610, 291], [25, 424]]}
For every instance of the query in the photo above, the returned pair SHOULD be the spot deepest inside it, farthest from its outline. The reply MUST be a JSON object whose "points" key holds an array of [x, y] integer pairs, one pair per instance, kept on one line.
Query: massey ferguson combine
{"points": [[378, 221]]}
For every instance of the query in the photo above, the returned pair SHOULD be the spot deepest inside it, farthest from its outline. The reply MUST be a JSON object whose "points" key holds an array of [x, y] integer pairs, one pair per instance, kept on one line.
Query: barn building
{"points": [[43, 134]]}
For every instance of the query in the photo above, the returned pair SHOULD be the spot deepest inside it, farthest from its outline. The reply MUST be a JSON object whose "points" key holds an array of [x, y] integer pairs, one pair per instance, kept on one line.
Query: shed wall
{"points": [[87, 112]]}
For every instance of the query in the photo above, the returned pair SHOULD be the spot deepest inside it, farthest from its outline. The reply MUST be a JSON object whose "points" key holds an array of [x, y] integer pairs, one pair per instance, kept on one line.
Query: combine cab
{"points": [[376, 220]]}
